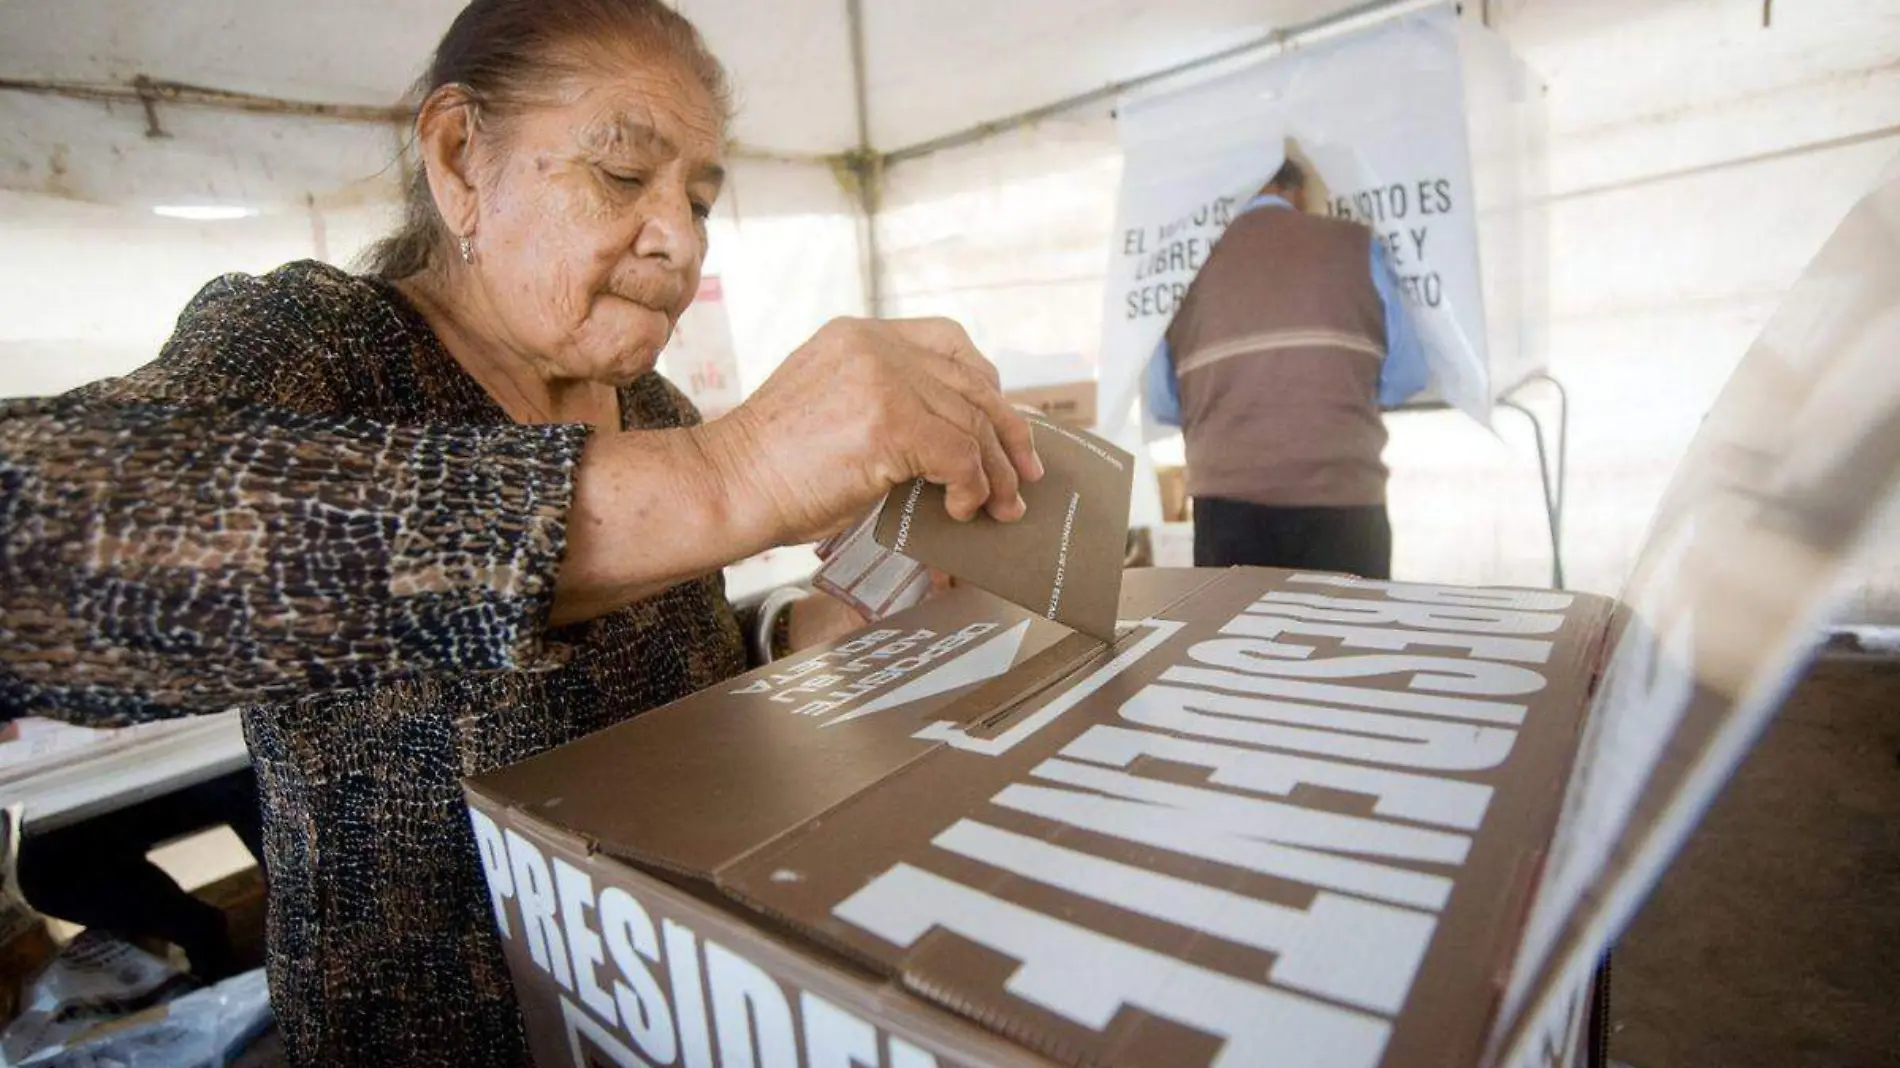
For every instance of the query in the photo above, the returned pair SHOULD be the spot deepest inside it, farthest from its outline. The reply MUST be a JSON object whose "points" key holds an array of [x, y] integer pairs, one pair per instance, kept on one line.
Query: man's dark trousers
{"points": [[1229, 533]]}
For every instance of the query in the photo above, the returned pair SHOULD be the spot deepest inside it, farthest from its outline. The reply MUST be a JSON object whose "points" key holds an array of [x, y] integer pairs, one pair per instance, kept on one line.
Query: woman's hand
{"points": [[863, 406], [820, 618]]}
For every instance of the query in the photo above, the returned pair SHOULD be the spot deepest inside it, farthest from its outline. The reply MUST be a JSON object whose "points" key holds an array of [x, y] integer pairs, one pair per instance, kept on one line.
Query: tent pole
{"points": [[1358, 16], [154, 92], [864, 162]]}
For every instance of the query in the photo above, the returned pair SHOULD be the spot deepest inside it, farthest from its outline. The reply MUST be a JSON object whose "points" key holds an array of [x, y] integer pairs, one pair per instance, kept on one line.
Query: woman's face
{"points": [[590, 224]]}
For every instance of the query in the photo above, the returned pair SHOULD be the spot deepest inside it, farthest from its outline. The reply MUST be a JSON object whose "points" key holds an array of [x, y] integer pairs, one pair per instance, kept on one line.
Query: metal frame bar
{"points": [[863, 162], [1555, 479], [1554, 476], [150, 93]]}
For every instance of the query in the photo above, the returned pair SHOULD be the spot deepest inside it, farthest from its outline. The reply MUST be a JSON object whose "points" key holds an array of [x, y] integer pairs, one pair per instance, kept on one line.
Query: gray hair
{"points": [[499, 52]]}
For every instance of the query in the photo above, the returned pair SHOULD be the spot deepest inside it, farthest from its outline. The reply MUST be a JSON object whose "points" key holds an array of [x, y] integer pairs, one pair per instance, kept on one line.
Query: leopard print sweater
{"points": [[306, 508]]}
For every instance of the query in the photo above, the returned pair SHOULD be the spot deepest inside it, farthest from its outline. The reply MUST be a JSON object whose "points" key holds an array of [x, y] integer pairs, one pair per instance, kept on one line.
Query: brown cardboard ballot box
{"points": [[1282, 819]]}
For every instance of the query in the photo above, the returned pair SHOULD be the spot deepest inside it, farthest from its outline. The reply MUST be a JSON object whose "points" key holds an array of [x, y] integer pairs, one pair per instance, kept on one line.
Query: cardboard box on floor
{"points": [[1284, 819], [1071, 404], [1176, 505]]}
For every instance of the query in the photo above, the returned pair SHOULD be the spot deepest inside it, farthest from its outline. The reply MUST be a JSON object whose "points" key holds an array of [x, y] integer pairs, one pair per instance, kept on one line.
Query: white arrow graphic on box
{"points": [[986, 661]]}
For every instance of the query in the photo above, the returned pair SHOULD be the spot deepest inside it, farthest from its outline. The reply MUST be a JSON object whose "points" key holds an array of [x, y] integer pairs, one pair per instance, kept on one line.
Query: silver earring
{"points": [[467, 249]]}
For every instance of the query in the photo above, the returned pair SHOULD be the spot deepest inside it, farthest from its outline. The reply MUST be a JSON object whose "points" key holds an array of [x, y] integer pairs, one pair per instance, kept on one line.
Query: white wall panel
{"points": [[1009, 237], [89, 290]]}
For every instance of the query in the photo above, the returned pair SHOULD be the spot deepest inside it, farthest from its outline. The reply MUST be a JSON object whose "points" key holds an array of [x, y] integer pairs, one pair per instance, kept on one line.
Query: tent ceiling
{"points": [[936, 68], [933, 68]]}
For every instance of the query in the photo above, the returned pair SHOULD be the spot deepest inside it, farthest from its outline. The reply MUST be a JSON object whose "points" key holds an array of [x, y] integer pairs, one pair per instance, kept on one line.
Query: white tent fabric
{"points": [[931, 68], [786, 239], [1697, 160]]}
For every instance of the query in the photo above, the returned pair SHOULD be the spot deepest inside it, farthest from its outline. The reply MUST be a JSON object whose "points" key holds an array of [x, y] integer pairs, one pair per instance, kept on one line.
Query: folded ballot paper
{"points": [[1061, 561], [867, 576]]}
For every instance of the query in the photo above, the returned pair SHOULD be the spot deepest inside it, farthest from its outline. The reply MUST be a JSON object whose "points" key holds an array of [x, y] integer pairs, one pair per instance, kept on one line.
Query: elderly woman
{"points": [[439, 517]]}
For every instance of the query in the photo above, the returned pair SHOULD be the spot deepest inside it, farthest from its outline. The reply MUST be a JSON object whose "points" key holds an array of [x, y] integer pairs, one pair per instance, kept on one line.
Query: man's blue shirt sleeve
{"points": [[1405, 371], [1160, 393]]}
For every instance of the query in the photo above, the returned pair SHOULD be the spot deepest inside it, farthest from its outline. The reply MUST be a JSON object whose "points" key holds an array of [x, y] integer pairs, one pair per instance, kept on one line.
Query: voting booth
{"points": [[1423, 128]]}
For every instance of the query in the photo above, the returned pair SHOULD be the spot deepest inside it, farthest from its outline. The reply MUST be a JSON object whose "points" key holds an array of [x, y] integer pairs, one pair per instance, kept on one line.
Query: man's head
{"points": [[1288, 183]]}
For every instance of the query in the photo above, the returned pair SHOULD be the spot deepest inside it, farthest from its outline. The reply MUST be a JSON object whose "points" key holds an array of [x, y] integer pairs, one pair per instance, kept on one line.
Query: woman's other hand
{"points": [[820, 618], [941, 582], [866, 405]]}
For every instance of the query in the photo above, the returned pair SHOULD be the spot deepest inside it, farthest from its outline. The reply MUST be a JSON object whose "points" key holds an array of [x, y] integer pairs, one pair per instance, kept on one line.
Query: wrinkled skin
{"points": [[586, 213]]}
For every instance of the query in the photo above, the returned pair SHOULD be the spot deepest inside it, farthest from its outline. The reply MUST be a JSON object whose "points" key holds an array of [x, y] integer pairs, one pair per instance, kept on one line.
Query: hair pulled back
{"points": [[500, 52]]}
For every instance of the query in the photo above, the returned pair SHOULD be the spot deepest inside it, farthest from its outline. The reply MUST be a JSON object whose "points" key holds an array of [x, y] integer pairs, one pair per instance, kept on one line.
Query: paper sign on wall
{"points": [[700, 358]]}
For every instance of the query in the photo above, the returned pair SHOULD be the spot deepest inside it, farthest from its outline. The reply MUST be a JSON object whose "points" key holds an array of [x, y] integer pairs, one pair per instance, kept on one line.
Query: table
{"points": [[122, 768]]}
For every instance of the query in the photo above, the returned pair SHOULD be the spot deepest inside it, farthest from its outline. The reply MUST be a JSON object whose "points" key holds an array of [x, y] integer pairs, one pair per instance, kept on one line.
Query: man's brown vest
{"points": [[1277, 348]]}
